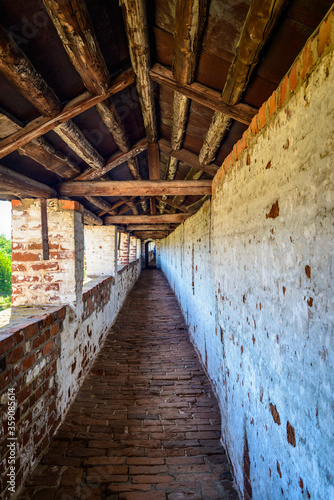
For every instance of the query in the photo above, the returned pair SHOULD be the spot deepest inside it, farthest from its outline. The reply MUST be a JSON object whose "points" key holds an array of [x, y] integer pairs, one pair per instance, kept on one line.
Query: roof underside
{"points": [[36, 37]]}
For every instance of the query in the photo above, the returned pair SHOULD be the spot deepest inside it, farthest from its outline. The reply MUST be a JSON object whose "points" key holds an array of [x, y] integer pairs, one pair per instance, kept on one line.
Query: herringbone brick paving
{"points": [[145, 424]]}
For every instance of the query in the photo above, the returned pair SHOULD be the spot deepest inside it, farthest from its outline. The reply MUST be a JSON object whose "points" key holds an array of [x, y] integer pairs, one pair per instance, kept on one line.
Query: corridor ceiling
{"points": [[130, 109]]}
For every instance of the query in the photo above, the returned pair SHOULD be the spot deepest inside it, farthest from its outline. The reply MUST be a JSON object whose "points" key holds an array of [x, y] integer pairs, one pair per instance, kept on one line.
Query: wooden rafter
{"points": [[190, 17], [115, 206], [150, 227], [135, 20], [70, 133], [182, 208], [20, 72], [193, 175], [111, 119], [46, 155], [134, 188], [197, 205], [113, 162], [187, 157], [146, 219], [20, 185], [261, 19], [76, 106], [99, 203], [75, 29], [39, 149], [91, 219], [51, 158], [210, 98]]}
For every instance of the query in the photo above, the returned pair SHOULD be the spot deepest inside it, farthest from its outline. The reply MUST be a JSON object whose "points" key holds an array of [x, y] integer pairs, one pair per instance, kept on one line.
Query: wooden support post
{"points": [[44, 224]]}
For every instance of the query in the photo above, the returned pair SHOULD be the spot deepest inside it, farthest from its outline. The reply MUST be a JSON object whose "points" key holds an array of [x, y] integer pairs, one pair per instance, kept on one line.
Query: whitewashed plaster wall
{"points": [[254, 276]]}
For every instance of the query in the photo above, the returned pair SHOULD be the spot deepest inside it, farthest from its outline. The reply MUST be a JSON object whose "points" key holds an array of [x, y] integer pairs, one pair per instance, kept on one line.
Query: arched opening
{"points": [[150, 254]]}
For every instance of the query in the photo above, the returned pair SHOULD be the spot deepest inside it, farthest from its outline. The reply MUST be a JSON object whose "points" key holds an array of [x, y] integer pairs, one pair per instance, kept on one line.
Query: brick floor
{"points": [[145, 424]]}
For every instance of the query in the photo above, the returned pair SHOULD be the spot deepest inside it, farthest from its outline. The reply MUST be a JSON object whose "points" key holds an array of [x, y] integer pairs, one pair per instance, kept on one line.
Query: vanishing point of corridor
{"points": [[145, 424]]}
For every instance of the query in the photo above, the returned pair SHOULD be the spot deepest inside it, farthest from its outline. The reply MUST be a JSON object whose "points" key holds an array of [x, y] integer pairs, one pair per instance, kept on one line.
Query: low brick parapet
{"points": [[29, 350]]}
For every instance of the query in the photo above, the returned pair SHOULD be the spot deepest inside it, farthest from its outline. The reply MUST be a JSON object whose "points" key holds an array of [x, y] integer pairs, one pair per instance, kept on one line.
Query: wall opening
{"points": [[150, 255]]}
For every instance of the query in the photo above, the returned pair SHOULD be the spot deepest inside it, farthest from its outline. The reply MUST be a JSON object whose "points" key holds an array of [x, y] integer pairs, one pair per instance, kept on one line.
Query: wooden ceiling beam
{"points": [[22, 186], [113, 162], [150, 227], [190, 18], [70, 133], [111, 119], [135, 20], [187, 157], [51, 158], [75, 107], [192, 176], [206, 96], [146, 219], [75, 29], [115, 206], [91, 219], [197, 205], [260, 22], [154, 161], [17, 68], [154, 170], [39, 149], [134, 188], [99, 203], [183, 208]]}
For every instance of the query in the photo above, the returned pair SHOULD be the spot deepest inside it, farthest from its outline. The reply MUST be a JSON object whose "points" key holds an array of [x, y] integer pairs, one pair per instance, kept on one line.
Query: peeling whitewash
{"points": [[257, 293]]}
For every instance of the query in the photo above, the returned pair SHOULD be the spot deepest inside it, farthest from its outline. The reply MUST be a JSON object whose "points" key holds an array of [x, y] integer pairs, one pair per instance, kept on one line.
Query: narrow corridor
{"points": [[145, 424]]}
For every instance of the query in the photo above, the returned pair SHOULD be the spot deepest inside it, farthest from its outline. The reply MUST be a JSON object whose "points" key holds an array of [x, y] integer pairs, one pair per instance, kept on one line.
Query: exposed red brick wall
{"points": [[28, 360], [97, 297], [133, 249], [123, 250], [52, 281]]}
